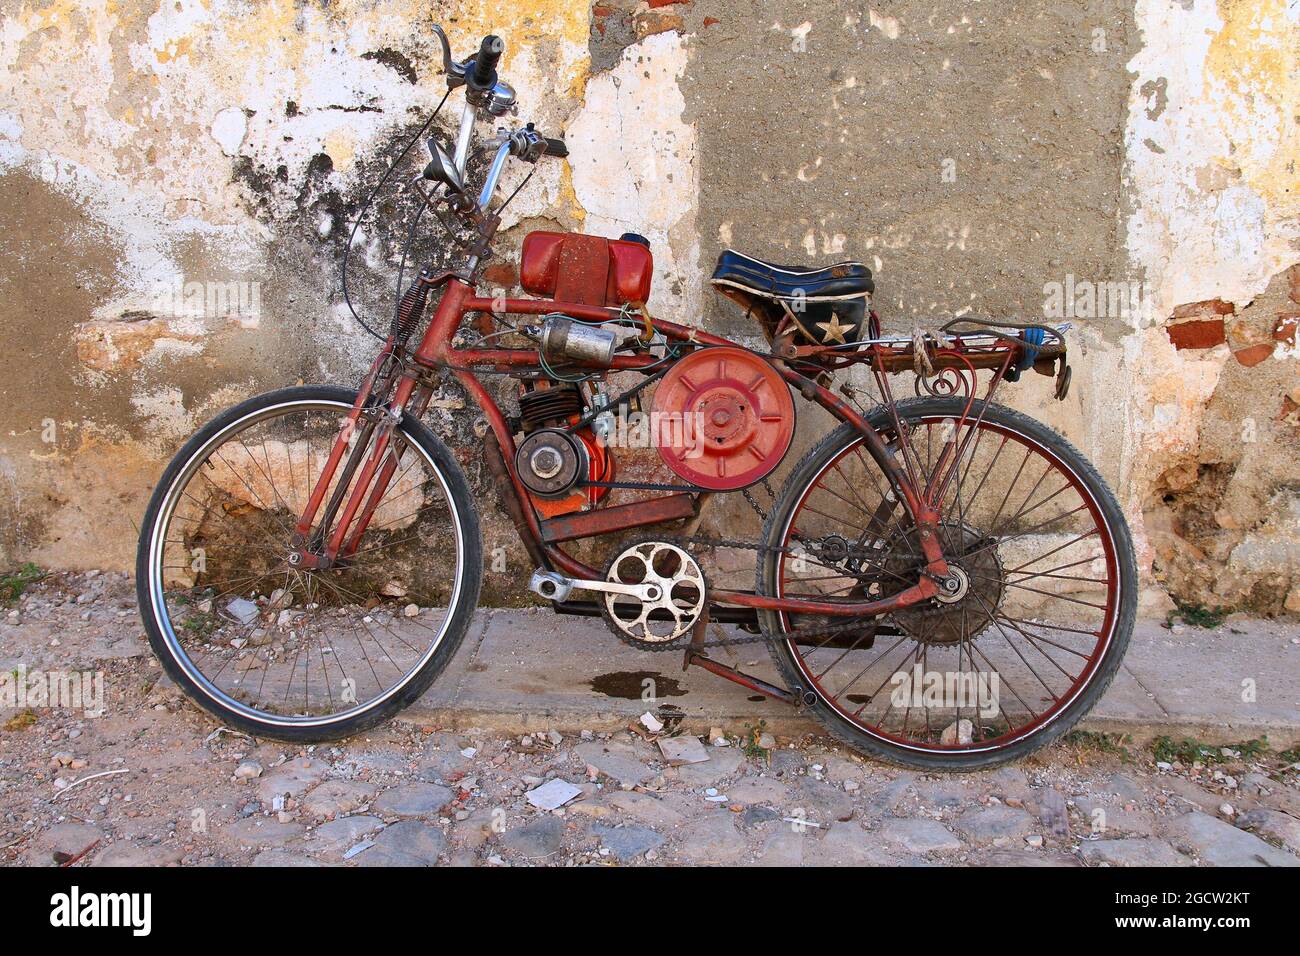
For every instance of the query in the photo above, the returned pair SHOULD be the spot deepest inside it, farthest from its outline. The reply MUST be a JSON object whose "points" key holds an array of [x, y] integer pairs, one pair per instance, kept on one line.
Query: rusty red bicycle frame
{"points": [[408, 380]]}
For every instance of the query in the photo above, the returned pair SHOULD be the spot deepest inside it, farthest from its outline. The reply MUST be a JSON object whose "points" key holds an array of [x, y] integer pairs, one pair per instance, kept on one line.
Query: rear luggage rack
{"points": [[961, 344]]}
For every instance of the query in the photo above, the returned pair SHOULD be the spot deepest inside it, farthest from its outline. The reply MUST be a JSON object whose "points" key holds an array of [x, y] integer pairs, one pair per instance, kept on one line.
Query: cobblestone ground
{"points": [[153, 781]]}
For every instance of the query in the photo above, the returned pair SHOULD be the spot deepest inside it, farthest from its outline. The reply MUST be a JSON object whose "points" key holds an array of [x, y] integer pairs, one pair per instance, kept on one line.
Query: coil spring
{"points": [[409, 310]]}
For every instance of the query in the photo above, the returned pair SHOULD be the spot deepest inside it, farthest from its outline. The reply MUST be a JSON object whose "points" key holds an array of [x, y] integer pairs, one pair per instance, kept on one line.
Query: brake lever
{"points": [[455, 71], [525, 143], [493, 143]]}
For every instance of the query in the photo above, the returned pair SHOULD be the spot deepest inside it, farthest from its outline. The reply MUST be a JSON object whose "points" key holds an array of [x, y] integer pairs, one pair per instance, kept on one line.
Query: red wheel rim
{"points": [[1024, 629]]}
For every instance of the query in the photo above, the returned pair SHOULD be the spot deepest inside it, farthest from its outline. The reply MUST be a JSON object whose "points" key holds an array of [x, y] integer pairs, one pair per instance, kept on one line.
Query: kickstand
{"points": [[697, 638]]}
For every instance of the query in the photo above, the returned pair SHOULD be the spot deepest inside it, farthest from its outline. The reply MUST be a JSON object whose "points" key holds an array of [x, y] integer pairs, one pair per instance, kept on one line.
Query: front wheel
{"points": [[1046, 603], [304, 655]]}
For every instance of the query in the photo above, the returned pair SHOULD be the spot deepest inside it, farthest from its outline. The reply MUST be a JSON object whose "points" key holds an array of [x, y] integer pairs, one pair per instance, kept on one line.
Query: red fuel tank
{"points": [[588, 270]]}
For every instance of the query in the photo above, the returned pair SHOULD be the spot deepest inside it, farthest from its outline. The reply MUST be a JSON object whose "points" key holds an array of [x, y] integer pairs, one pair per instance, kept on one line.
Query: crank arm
{"points": [[557, 587]]}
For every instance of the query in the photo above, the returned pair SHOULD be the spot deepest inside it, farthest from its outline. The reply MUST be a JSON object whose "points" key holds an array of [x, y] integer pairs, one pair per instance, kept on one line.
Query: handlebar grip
{"points": [[484, 74], [555, 147]]}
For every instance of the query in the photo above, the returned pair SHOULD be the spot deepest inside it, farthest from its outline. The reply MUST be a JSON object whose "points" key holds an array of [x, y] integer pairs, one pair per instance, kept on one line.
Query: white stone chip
{"points": [[553, 794], [243, 610], [683, 750]]}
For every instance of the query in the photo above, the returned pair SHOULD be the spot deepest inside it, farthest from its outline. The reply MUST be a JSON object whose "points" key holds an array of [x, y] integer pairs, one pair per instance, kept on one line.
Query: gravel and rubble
{"points": [[153, 781]]}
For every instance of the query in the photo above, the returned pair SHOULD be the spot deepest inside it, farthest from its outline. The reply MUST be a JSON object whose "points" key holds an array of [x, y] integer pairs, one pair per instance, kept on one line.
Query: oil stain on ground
{"points": [[630, 685]]}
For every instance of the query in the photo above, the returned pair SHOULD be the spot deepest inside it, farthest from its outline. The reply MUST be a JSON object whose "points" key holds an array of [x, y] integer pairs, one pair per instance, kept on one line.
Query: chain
{"points": [[754, 504], [702, 541], [682, 643]]}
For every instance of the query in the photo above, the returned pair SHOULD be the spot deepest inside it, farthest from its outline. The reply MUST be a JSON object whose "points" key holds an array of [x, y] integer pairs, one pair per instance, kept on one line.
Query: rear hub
{"points": [[967, 598]]}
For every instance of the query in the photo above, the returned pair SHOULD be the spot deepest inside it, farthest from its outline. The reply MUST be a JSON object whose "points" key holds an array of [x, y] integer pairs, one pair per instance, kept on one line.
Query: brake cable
{"points": [[366, 208]]}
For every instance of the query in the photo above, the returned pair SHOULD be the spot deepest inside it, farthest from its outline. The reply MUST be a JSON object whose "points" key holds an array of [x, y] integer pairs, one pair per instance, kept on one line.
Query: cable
{"points": [[509, 198], [546, 367], [406, 249], [366, 208]]}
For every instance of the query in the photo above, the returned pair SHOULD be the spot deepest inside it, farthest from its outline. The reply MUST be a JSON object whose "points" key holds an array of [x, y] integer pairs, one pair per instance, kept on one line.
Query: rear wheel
{"points": [[292, 654], [1042, 618]]}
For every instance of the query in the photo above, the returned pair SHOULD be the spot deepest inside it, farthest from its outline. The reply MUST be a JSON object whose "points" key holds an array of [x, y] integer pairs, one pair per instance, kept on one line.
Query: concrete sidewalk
{"points": [[524, 670]]}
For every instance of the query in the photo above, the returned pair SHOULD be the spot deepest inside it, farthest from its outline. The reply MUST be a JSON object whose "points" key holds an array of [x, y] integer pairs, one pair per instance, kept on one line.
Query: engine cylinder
{"points": [[548, 406]]}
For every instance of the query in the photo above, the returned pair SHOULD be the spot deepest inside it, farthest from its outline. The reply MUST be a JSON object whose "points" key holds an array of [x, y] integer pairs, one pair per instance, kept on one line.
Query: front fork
{"points": [[367, 443]]}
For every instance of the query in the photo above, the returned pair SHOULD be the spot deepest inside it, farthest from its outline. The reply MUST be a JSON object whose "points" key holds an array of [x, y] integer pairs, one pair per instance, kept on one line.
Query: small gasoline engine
{"points": [[722, 417], [551, 460]]}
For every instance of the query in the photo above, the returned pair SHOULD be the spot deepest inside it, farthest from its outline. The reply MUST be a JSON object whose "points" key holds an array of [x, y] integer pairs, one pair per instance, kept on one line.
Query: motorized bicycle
{"points": [[941, 581]]}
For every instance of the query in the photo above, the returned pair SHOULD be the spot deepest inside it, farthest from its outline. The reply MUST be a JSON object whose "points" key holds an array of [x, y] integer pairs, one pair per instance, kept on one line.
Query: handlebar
{"points": [[483, 74], [485, 92]]}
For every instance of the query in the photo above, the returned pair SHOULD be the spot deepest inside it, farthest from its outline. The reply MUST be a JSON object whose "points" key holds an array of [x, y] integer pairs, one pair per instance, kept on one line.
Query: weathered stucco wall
{"points": [[178, 181], [1213, 141]]}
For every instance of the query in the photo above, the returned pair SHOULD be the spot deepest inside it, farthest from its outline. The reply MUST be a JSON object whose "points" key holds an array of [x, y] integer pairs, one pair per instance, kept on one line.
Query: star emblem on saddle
{"points": [[833, 331]]}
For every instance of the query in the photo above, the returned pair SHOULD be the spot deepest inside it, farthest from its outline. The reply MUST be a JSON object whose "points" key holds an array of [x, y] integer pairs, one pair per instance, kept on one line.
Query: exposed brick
{"points": [[1284, 330], [665, 3], [710, 21], [1197, 334], [659, 22], [1203, 310], [1252, 355], [600, 11]]}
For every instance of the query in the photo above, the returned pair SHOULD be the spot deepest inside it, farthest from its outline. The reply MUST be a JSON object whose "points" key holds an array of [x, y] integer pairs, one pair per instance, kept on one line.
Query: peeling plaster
{"points": [[634, 165], [1214, 91], [193, 139], [1212, 147], [146, 119]]}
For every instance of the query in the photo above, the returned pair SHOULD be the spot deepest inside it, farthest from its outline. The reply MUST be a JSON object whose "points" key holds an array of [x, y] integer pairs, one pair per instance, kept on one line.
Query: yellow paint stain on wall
{"points": [[174, 49], [271, 26], [57, 15], [578, 85], [1256, 57], [342, 149], [569, 196], [292, 34]]}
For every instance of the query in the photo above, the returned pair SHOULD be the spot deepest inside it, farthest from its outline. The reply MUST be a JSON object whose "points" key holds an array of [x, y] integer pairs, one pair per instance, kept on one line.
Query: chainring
{"points": [[683, 590]]}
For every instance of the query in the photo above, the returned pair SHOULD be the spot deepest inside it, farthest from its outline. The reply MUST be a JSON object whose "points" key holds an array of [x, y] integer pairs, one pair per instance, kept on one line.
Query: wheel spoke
{"points": [[1035, 590], [282, 644]]}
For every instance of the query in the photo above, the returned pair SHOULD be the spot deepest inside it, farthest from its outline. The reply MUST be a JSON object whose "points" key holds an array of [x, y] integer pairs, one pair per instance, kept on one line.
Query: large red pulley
{"points": [[725, 418]]}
